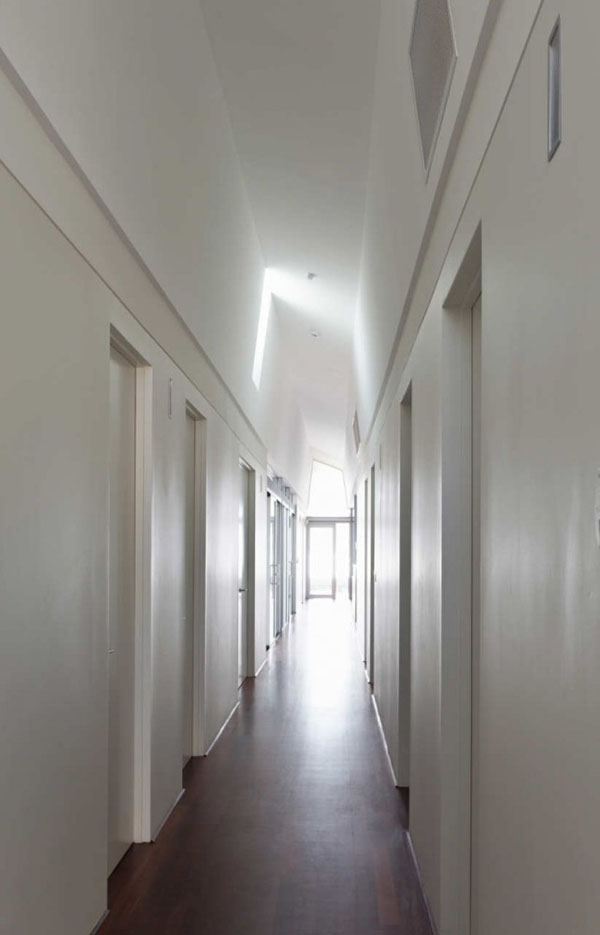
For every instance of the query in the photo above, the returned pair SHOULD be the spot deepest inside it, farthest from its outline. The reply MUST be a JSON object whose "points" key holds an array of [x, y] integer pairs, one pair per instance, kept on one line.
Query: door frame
{"points": [[199, 624], [373, 489], [366, 570], [456, 707], [279, 567], [272, 566], [354, 560], [405, 578], [142, 830], [294, 522], [251, 567]]}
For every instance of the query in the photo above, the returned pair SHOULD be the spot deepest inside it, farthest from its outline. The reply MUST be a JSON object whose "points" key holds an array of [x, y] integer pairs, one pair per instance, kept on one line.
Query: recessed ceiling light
{"points": [[311, 276], [315, 334]]}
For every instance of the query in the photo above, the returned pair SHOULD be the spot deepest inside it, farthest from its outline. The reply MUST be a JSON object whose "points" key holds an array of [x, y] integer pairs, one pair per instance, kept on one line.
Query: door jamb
{"points": [[251, 575], [456, 613], [405, 597], [199, 625], [142, 830]]}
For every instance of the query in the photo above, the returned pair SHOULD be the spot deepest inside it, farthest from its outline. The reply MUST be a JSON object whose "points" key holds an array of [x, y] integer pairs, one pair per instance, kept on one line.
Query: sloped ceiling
{"points": [[298, 80]]}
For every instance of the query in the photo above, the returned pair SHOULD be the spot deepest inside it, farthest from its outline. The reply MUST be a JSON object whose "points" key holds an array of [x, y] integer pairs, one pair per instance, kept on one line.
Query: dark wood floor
{"points": [[292, 825]]}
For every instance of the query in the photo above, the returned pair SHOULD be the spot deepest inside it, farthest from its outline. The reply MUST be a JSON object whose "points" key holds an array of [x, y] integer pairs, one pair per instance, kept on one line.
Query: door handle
{"points": [[242, 590]]}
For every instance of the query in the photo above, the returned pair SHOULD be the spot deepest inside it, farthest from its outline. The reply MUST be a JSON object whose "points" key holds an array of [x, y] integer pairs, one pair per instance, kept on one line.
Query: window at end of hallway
{"points": [[327, 491]]}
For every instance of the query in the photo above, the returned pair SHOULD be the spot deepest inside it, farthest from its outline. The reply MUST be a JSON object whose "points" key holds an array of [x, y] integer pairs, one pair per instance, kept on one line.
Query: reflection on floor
{"points": [[292, 825]]}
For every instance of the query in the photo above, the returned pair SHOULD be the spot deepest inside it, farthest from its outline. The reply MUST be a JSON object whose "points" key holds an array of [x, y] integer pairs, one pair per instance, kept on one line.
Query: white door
{"points": [[121, 607], [243, 575], [190, 558]]}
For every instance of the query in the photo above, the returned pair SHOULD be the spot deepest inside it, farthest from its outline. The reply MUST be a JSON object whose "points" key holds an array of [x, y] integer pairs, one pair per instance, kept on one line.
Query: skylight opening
{"points": [[263, 325]]}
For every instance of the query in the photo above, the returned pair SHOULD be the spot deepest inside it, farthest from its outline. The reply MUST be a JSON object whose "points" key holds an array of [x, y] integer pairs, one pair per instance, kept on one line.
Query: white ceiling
{"points": [[298, 79]]}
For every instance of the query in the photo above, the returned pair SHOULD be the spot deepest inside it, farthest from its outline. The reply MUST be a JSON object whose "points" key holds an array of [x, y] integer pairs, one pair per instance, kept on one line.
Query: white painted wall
{"points": [[132, 93], [538, 762], [53, 548], [168, 179], [289, 452], [539, 768], [401, 201], [56, 314]]}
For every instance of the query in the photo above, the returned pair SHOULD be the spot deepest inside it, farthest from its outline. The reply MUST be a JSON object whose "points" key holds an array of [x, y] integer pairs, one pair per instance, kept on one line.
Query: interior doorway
{"points": [[282, 562], [193, 621], [461, 588], [366, 573], [243, 570], [475, 596], [188, 620], [292, 548], [354, 559], [272, 549], [121, 616], [404, 693], [372, 581]]}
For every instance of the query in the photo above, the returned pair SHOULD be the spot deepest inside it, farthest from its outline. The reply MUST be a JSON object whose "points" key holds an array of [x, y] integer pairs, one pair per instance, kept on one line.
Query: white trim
{"points": [[411, 848], [249, 661], [395, 362], [143, 605], [404, 416], [142, 739], [226, 722], [45, 187], [168, 815], [456, 585], [385, 746], [100, 922], [261, 667], [455, 701], [199, 652]]}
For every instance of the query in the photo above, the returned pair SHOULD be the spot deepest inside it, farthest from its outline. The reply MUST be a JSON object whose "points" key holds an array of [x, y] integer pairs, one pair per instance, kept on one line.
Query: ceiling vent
{"points": [[432, 58]]}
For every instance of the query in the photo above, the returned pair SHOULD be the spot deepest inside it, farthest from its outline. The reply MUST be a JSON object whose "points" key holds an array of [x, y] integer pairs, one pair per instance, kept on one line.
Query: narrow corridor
{"points": [[292, 825]]}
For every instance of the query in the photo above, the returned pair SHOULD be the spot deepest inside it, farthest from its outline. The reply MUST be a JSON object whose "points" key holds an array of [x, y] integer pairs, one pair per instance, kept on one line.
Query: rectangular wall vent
{"points": [[432, 58]]}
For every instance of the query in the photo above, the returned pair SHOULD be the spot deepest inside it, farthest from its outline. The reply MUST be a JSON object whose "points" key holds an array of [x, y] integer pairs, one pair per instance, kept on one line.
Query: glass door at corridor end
{"points": [[321, 579]]}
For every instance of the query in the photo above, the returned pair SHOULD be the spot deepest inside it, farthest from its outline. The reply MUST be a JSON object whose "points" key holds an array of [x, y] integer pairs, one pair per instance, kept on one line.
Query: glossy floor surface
{"points": [[292, 825]]}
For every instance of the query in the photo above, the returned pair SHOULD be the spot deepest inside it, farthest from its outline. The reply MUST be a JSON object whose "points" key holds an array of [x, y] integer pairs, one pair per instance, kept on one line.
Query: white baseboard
{"points": [[385, 746], [100, 922], [261, 667], [168, 815], [218, 737], [420, 878]]}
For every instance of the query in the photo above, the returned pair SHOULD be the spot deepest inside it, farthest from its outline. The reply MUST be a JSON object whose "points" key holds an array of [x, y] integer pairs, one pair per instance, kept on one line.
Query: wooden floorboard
{"points": [[292, 825]]}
